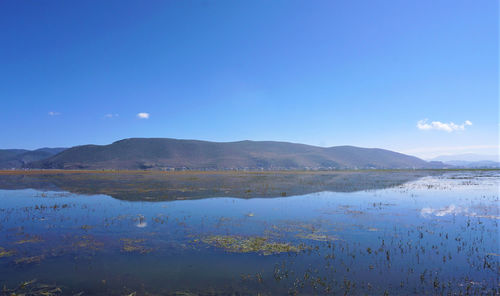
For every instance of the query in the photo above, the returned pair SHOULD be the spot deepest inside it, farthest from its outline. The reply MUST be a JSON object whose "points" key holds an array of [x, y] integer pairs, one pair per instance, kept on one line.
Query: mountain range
{"points": [[468, 157], [470, 160], [175, 154]]}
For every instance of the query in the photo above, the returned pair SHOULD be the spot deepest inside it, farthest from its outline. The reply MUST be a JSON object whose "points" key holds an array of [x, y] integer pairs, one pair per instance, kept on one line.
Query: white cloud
{"points": [[110, 115], [437, 125], [53, 113], [143, 115]]}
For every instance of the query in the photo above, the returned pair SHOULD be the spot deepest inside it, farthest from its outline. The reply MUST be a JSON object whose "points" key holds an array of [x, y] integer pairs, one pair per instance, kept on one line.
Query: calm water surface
{"points": [[435, 234]]}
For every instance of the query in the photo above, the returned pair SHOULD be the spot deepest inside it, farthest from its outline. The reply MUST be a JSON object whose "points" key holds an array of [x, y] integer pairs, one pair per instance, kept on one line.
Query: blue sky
{"points": [[388, 74]]}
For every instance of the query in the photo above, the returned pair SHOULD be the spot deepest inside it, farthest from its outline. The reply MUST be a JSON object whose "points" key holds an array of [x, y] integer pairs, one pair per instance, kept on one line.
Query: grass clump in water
{"points": [[29, 260], [28, 240], [31, 288], [5, 253], [316, 237], [134, 245], [257, 244], [87, 243]]}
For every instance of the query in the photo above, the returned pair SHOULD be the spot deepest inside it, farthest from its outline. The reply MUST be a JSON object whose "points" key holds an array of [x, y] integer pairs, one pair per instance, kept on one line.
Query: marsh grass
{"points": [[256, 244], [135, 246], [6, 253]]}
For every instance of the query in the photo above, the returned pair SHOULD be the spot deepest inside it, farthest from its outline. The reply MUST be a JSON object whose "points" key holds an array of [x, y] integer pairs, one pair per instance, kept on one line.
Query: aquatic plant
{"points": [[5, 253], [29, 260], [256, 244], [135, 245], [32, 288]]}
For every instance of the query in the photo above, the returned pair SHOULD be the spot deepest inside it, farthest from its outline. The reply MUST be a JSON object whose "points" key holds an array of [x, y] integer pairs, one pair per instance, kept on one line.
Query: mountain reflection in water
{"points": [[194, 185]]}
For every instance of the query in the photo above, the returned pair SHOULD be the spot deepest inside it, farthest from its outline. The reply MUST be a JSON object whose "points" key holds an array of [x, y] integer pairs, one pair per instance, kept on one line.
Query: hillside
{"points": [[18, 158], [164, 153]]}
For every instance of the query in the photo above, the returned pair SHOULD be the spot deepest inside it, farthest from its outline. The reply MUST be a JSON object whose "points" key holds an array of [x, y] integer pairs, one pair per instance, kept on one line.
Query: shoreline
{"points": [[220, 172]]}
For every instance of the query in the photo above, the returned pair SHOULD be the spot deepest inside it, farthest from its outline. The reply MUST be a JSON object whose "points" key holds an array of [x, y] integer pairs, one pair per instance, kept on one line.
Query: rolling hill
{"points": [[165, 153]]}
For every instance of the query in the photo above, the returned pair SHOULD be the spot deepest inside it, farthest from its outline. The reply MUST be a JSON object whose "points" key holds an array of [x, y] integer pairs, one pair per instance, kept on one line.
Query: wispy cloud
{"points": [[111, 115], [438, 125], [53, 113], [143, 115]]}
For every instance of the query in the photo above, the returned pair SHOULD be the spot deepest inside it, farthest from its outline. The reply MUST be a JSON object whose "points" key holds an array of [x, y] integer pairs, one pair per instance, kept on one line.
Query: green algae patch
{"points": [[316, 237], [29, 240], [5, 253], [29, 260], [31, 288], [257, 244], [87, 243], [135, 246]]}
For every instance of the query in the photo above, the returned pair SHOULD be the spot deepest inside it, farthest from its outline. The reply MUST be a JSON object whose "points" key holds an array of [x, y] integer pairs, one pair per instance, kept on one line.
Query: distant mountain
{"points": [[470, 160], [18, 158], [164, 153], [9, 153], [487, 164], [467, 157]]}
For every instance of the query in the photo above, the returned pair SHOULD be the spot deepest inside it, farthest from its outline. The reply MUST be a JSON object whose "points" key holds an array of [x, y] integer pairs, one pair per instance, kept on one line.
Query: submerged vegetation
{"points": [[33, 288], [29, 260]]}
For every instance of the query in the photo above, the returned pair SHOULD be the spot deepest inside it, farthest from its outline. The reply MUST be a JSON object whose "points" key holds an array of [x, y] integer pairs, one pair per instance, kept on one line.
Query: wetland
{"points": [[250, 233]]}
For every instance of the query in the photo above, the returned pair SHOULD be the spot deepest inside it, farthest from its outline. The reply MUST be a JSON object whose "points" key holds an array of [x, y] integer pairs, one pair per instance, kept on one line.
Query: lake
{"points": [[242, 233]]}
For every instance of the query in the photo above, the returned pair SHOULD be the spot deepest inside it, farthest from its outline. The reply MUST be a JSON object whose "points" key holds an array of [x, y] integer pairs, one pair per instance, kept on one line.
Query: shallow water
{"points": [[430, 233]]}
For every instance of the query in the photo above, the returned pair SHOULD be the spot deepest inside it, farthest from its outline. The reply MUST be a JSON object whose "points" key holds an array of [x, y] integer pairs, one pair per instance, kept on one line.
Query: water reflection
{"points": [[156, 186], [433, 234], [456, 210], [449, 210]]}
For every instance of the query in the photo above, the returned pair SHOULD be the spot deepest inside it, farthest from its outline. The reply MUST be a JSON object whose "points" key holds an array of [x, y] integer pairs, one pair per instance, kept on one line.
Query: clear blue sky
{"points": [[325, 73]]}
